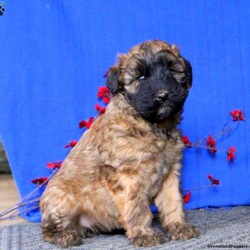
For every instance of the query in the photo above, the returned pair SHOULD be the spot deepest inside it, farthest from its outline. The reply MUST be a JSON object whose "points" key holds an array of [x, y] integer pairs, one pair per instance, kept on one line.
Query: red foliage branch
{"points": [[188, 195], [209, 143]]}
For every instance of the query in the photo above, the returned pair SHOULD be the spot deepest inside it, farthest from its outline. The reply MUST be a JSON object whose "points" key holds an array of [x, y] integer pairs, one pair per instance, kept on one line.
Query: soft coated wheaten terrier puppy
{"points": [[129, 158]]}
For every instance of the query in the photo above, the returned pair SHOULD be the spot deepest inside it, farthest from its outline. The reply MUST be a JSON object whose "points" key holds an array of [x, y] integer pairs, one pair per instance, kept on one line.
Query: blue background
{"points": [[53, 58]]}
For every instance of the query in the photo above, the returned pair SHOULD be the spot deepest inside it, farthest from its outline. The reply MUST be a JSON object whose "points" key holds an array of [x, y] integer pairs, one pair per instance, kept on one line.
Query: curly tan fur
{"points": [[119, 167]]}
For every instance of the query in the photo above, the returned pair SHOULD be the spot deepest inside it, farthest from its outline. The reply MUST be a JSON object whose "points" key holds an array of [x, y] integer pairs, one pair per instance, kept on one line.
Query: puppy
{"points": [[129, 158]]}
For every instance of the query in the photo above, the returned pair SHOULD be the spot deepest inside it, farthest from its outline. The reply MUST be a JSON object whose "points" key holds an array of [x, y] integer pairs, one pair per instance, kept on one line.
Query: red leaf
{"points": [[237, 115], [39, 181], [104, 94], [89, 122], [187, 197], [100, 109], [213, 181], [99, 95], [54, 165], [71, 144], [82, 124], [102, 91], [86, 124], [106, 99], [231, 153], [211, 144], [186, 141]]}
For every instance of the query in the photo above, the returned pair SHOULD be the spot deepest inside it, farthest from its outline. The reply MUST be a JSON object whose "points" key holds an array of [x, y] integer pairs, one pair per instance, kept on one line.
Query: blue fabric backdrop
{"points": [[53, 58]]}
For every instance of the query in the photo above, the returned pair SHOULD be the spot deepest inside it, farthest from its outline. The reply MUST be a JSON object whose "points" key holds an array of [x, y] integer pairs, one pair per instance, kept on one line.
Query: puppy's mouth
{"points": [[170, 108], [161, 113], [166, 112]]}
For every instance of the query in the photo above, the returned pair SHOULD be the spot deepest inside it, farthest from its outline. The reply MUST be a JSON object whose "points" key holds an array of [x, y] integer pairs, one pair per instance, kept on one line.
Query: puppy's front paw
{"points": [[148, 240], [182, 231], [68, 238]]}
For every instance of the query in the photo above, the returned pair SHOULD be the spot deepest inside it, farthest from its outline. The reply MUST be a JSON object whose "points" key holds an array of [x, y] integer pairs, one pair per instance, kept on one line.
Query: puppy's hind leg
{"points": [[60, 216]]}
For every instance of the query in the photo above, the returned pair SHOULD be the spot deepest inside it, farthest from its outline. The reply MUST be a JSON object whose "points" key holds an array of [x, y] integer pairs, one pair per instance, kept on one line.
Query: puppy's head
{"points": [[154, 78]]}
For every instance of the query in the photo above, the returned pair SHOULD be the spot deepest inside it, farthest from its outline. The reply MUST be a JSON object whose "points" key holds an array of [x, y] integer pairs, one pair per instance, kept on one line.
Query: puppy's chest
{"points": [[169, 154], [168, 148], [149, 154]]}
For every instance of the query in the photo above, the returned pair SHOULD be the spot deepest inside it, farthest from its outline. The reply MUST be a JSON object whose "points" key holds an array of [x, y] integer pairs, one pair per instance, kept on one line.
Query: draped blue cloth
{"points": [[53, 58]]}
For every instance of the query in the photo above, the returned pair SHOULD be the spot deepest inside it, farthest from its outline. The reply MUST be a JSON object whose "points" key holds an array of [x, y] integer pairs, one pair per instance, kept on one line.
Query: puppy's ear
{"points": [[112, 81]]}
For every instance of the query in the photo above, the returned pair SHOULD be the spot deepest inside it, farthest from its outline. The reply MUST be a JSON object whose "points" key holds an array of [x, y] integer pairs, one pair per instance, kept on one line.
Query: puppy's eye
{"points": [[141, 78]]}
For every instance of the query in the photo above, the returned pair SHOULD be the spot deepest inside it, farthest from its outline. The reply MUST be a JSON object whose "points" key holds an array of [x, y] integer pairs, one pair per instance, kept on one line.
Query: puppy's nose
{"points": [[162, 95]]}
